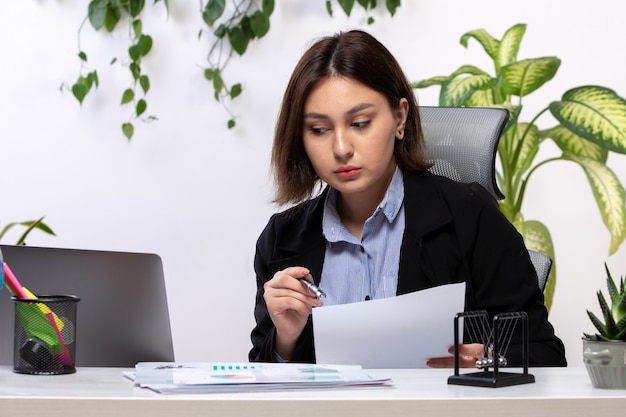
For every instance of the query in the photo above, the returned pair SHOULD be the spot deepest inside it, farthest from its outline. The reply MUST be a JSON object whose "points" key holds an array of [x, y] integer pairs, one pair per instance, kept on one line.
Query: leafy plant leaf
{"points": [[238, 40], [569, 141], [144, 44], [614, 294], [346, 5], [213, 11], [141, 106], [144, 82], [218, 83], [482, 98], [595, 113], [96, 13], [457, 91], [128, 96], [134, 52], [112, 16], [430, 81], [609, 194], [490, 44], [132, 7], [509, 46], [83, 85], [128, 129], [260, 23], [597, 323], [609, 323], [520, 145], [30, 226], [92, 78], [268, 7], [523, 77], [329, 8], [235, 90], [392, 5], [137, 27], [135, 69], [79, 91]]}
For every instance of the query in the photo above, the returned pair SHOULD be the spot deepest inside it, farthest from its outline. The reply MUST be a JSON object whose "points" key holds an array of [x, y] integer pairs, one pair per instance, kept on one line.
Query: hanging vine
{"points": [[232, 27]]}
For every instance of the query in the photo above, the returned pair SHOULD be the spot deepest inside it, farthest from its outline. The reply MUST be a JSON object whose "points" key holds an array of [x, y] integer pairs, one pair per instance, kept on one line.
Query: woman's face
{"points": [[349, 135]]}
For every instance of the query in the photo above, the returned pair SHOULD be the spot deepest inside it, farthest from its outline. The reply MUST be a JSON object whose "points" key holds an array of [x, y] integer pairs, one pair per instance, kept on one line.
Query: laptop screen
{"points": [[122, 316]]}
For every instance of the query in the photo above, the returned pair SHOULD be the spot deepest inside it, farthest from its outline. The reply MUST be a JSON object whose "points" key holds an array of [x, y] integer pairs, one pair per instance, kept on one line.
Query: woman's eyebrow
{"points": [[355, 109], [313, 115], [359, 107]]}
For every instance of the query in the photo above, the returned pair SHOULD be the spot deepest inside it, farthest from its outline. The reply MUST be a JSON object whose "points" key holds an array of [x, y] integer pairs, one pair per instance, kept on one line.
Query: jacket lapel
{"points": [[305, 244], [425, 211]]}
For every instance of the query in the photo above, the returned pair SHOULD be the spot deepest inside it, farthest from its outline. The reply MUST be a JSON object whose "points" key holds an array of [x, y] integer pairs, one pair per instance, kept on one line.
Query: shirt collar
{"points": [[390, 205]]}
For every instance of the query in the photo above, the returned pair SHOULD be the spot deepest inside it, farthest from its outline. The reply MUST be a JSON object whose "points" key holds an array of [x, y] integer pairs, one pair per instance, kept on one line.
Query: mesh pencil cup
{"points": [[45, 335]]}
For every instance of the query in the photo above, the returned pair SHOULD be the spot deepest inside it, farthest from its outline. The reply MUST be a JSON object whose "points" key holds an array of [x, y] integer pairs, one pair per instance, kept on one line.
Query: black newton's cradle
{"points": [[486, 377]]}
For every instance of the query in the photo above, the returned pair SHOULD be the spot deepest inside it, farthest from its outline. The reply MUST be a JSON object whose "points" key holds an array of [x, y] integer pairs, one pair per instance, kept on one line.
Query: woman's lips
{"points": [[347, 171]]}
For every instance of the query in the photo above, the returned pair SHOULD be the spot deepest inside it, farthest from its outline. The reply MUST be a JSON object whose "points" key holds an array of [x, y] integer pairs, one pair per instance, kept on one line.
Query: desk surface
{"points": [[105, 392]]}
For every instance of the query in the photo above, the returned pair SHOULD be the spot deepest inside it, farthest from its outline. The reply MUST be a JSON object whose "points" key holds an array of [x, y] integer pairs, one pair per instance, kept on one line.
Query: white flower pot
{"points": [[606, 363]]}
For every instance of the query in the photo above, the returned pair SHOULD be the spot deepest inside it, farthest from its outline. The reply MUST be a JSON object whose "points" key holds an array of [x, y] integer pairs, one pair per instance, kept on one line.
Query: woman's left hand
{"points": [[468, 355]]}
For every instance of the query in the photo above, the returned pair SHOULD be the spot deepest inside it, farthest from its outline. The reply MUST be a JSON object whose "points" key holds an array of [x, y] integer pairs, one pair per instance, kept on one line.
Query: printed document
{"points": [[209, 377], [396, 332]]}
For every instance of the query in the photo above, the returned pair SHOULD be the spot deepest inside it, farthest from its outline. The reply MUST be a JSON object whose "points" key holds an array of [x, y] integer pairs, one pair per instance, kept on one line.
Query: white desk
{"points": [[105, 392]]}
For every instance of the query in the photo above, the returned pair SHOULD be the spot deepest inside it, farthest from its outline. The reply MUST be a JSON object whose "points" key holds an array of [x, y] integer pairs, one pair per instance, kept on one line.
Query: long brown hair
{"points": [[355, 55]]}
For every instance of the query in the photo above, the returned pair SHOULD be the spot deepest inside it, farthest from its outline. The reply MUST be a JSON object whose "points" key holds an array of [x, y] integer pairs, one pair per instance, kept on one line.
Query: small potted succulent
{"points": [[604, 353]]}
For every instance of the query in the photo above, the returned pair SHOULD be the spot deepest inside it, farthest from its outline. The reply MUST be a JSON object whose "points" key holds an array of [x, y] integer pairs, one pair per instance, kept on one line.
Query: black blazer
{"points": [[453, 233]]}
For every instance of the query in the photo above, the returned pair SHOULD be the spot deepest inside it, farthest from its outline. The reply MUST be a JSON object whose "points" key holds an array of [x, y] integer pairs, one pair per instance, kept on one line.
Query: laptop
{"points": [[122, 315]]}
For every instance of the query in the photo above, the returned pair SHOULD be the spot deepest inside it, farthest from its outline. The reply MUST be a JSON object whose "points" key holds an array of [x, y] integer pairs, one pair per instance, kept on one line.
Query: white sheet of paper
{"points": [[397, 332]]}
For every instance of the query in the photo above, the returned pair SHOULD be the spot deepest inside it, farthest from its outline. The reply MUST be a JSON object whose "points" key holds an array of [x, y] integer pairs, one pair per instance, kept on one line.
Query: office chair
{"points": [[462, 143], [543, 265]]}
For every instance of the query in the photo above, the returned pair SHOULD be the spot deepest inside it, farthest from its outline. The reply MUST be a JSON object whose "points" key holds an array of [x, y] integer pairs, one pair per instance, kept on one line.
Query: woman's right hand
{"points": [[289, 304]]}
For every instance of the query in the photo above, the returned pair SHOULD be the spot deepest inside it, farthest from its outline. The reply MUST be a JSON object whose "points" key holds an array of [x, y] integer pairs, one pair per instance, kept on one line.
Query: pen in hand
{"points": [[314, 288]]}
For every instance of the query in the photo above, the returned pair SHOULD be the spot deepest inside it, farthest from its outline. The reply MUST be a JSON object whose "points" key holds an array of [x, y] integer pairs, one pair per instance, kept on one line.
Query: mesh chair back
{"points": [[543, 264], [462, 143]]}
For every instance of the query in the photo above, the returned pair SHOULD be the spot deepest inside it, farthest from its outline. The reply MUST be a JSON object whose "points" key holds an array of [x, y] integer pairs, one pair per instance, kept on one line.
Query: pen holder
{"points": [[45, 335]]}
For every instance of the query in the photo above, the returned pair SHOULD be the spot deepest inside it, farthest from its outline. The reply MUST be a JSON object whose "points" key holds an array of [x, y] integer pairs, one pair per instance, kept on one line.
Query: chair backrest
{"points": [[462, 143], [543, 265]]}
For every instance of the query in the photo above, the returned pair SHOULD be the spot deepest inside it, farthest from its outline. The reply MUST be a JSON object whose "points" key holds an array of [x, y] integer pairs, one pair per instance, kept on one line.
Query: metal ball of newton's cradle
{"points": [[488, 362]]}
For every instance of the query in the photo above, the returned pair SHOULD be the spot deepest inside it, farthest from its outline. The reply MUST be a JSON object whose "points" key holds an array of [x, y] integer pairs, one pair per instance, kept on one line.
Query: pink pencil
{"points": [[64, 356], [12, 283]]}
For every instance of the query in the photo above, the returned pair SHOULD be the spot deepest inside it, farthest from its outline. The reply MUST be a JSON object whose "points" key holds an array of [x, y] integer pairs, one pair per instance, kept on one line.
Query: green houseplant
{"points": [[588, 123], [29, 226], [604, 351], [230, 25]]}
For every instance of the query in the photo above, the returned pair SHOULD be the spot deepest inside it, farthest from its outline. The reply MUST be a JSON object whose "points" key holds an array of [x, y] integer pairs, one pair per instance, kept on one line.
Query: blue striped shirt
{"points": [[355, 270]]}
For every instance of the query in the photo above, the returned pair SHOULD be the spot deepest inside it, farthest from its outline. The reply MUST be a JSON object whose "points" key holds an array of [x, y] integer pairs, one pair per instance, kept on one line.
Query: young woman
{"points": [[383, 225]]}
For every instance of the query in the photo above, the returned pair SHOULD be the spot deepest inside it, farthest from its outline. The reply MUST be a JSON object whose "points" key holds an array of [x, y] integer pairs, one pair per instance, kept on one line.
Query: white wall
{"points": [[198, 194]]}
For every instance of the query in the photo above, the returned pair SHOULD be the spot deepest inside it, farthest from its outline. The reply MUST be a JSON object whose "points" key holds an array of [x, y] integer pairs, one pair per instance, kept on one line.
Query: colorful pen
{"points": [[313, 288], [17, 290], [12, 283]]}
